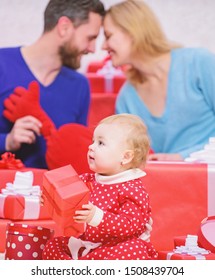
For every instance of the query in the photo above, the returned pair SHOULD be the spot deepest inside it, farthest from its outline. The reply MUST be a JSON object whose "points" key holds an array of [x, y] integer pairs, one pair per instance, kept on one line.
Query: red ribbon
{"points": [[8, 161]]}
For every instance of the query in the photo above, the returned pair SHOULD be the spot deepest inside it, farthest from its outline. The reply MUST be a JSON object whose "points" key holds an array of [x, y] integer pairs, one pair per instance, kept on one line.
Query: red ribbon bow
{"points": [[8, 161]]}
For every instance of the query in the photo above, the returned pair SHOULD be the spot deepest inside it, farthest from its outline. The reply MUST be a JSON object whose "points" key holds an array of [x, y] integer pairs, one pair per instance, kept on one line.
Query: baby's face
{"points": [[107, 150]]}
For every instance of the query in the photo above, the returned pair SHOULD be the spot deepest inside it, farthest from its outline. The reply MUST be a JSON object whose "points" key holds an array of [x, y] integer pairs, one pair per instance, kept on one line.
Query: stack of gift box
{"points": [[21, 203], [182, 195], [105, 82], [63, 192]]}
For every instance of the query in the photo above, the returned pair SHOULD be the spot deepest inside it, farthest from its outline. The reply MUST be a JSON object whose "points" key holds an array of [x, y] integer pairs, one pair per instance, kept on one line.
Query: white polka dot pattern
{"points": [[126, 210], [25, 242]]}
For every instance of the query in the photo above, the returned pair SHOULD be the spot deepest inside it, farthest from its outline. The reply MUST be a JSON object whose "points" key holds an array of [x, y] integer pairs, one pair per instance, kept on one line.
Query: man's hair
{"points": [[135, 133], [76, 10]]}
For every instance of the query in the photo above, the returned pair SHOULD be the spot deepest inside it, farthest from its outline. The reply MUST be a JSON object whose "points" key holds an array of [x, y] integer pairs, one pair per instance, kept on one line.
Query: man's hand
{"points": [[24, 131]]}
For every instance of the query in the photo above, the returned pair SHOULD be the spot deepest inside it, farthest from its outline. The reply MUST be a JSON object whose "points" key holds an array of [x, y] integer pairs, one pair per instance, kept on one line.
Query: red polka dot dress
{"points": [[123, 210]]}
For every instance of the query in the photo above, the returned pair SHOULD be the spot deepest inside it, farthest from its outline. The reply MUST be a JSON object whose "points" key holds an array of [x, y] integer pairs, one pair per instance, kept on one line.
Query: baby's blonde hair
{"points": [[135, 133]]}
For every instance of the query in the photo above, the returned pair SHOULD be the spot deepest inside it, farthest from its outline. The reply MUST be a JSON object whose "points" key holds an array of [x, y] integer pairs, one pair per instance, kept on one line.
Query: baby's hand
{"points": [[86, 214], [147, 233]]}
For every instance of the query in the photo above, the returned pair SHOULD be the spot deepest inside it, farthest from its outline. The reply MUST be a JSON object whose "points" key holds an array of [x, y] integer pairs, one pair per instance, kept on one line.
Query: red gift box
{"points": [[184, 245], [95, 65], [65, 193], [102, 106], [26, 242], [19, 207], [42, 223], [102, 84], [170, 255], [3, 227], [104, 77], [7, 175], [179, 240], [206, 234], [50, 224], [181, 195]]}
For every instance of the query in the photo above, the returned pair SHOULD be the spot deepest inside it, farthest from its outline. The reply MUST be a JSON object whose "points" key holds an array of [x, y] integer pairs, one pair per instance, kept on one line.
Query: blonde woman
{"points": [[119, 207], [170, 87]]}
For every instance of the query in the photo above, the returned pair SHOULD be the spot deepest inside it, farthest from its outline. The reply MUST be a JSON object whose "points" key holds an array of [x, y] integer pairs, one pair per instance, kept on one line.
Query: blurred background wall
{"points": [[191, 23]]}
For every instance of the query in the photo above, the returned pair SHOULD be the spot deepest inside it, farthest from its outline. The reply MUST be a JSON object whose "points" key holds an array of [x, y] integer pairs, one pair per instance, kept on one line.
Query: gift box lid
{"points": [[29, 230], [206, 234], [26, 242]]}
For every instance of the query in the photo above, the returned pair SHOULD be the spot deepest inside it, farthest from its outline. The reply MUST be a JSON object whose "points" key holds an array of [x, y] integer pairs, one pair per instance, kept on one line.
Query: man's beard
{"points": [[70, 57]]}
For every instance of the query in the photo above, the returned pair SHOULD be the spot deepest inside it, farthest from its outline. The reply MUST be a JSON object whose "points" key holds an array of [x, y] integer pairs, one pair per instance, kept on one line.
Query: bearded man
{"points": [[70, 31]]}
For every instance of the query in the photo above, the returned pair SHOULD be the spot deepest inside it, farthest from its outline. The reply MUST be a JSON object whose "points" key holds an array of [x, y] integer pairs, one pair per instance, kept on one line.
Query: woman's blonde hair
{"points": [[136, 19], [135, 134]]}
